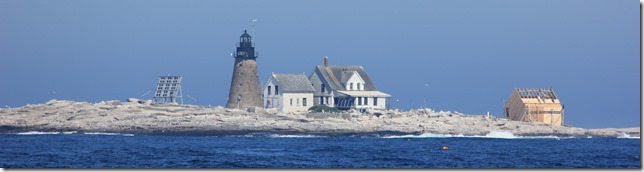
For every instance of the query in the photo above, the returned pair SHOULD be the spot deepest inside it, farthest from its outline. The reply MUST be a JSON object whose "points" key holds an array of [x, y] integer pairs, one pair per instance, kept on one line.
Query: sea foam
{"points": [[293, 136], [627, 136], [37, 133], [70, 132], [108, 134], [493, 134]]}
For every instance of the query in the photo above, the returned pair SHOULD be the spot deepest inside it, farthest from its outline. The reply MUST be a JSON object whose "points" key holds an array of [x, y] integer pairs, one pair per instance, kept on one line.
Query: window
{"points": [[358, 88], [276, 90], [375, 101], [291, 102], [365, 101], [327, 100], [304, 102], [351, 86], [269, 90], [359, 100], [321, 100], [322, 88], [298, 102]]}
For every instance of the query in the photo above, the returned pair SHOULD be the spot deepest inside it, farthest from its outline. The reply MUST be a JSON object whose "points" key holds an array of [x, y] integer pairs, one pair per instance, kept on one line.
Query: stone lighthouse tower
{"points": [[244, 87]]}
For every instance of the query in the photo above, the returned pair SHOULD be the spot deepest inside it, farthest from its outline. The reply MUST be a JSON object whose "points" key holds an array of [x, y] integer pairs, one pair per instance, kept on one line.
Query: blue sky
{"points": [[464, 55]]}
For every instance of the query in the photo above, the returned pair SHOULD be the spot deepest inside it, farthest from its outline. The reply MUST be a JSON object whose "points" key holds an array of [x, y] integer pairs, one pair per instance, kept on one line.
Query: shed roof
{"points": [[294, 83], [546, 93], [529, 95]]}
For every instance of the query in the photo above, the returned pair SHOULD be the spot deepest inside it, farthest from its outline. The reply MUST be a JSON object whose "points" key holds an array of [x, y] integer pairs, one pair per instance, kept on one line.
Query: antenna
{"points": [[146, 93], [254, 20], [192, 98]]}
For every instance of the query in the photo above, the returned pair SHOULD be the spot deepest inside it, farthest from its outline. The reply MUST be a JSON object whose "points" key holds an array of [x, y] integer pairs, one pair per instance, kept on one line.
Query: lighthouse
{"points": [[244, 87]]}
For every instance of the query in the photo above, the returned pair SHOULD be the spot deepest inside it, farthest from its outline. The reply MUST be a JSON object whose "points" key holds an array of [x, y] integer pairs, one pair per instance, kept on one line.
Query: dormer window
{"points": [[359, 86], [351, 86]]}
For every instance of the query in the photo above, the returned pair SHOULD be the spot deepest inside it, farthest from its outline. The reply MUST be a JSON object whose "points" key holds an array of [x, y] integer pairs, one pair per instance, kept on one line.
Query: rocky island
{"points": [[148, 118]]}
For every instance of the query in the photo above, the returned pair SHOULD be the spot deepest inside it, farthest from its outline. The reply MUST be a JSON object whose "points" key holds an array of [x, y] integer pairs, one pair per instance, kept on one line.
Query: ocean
{"points": [[501, 150]]}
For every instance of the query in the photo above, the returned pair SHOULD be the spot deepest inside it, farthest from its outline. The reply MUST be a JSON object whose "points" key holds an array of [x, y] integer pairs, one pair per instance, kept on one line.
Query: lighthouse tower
{"points": [[244, 87]]}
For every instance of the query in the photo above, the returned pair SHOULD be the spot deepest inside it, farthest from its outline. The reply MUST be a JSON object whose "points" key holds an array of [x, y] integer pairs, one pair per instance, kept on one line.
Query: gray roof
{"points": [[293, 83], [544, 93], [335, 76]]}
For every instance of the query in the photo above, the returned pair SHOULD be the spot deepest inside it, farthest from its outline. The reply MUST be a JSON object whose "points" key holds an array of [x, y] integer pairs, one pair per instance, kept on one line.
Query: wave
{"points": [[627, 136], [493, 134], [107, 134], [37, 133], [293, 136], [70, 132]]}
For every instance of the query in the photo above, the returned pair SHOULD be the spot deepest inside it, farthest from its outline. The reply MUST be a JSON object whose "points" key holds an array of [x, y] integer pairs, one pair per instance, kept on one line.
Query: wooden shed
{"points": [[535, 105]]}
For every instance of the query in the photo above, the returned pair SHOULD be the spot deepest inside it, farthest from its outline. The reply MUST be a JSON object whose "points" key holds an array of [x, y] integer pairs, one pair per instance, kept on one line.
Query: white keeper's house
{"points": [[345, 87], [288, 93]]}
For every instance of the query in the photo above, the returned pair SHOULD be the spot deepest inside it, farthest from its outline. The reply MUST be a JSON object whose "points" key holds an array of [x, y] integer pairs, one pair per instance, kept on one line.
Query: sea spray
{"points": [[107, 134], [37, 133], [294, 136], [627, 136], [70, 132], [492, 134]]}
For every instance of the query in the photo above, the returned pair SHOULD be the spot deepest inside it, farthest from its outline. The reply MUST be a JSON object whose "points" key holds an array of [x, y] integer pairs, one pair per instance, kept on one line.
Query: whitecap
{"points": [[70, 132], [627, 136], [493, 134], [37, 133], [108, 134], [424, 135], [293, 136]]}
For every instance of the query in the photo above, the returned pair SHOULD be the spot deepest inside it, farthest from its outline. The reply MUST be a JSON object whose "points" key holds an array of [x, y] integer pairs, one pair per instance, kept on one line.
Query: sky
{"points": [[463, 55]]}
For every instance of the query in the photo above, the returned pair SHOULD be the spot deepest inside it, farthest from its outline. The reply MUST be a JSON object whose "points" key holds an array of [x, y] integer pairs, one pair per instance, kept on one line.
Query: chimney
{"points": [[326, 61]]}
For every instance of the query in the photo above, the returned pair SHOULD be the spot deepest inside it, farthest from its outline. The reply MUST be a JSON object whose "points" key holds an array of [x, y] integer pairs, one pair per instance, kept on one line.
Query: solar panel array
{"points": [[168, 89], [537, 93]]}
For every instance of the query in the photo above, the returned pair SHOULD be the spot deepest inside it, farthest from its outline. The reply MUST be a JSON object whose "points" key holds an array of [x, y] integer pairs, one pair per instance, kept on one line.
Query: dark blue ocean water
{"points": [[118, 151]]}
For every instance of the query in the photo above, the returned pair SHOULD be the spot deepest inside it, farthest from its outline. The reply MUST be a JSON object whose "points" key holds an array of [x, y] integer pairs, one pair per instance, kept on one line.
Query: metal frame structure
{"points": [[168, 89]]}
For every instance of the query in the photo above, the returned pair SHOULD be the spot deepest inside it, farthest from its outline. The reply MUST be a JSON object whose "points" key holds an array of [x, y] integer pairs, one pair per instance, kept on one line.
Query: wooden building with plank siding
{"points": [[535, 105]]}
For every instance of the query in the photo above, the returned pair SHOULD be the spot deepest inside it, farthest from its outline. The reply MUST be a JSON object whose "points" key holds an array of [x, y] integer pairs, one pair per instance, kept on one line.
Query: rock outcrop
{"points": [[147, 117]]}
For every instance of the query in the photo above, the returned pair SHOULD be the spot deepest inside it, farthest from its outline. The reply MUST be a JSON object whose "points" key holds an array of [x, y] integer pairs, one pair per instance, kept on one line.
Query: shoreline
{"points": [[248, 133], [141, 117], [226, 133]]}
